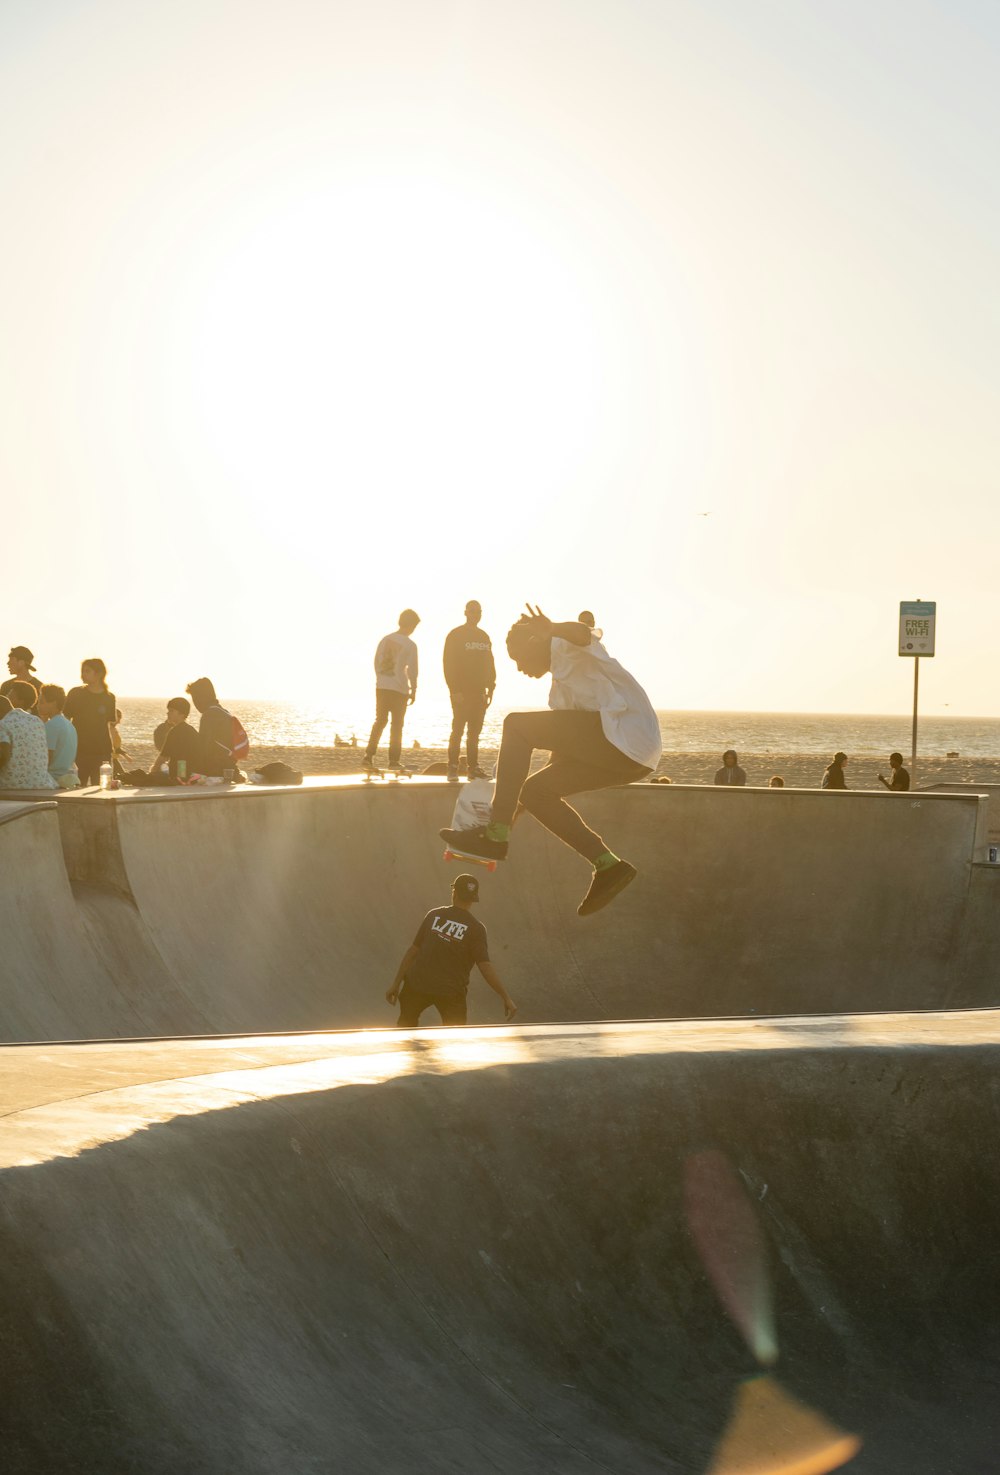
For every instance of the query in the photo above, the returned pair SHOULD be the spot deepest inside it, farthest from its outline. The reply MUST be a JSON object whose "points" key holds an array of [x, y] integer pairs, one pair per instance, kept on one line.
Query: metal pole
{"points": [[913, 747]]}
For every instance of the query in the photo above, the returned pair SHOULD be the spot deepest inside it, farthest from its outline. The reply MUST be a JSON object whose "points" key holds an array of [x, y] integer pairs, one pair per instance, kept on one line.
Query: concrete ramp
{"points": [[77, 961], [184, 912], [548, 1250]]}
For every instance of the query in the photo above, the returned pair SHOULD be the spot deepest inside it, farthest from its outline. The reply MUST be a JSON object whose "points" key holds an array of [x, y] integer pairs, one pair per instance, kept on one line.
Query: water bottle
{"points": [[106, 772]]}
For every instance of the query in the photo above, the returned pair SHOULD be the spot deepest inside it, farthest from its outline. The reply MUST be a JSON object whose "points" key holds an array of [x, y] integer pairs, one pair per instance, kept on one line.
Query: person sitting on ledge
{"points": [[180, 751], [60, 737], [217, 728], [24, 753], [181, 745]]}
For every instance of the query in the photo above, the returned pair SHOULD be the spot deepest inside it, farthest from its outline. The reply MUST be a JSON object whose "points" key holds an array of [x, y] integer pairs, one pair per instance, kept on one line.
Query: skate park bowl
{"points": [[179, 912], [727, 1247], [656, 1239]]}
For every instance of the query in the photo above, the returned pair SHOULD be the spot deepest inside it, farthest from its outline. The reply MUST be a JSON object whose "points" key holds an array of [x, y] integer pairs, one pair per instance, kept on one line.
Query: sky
{"points": [[684, 312]]}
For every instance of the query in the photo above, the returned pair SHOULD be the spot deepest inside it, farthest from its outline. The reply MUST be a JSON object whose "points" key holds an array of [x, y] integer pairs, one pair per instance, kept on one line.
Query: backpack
{"points": [[240, 744], [278, 773], [238, 747]]}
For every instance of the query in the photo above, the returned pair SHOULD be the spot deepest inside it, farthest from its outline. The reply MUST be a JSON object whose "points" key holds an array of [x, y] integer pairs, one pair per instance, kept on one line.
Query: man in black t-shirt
{"points": [[181, 744], [900, 776], [436, 966]]}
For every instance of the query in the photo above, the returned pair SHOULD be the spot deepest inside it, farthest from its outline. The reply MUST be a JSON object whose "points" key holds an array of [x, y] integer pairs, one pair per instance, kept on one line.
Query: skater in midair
{"points": [[602, 731]]}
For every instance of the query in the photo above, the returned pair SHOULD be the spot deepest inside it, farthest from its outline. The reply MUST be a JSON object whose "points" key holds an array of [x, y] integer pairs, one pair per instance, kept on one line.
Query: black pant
{"points": [[451, 1007], [390, 706], [582, 759], [466, 711], [88, 766]]}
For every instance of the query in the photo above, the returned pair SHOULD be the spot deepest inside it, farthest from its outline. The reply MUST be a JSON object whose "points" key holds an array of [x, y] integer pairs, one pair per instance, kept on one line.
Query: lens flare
{"points": [[729, 1240], [771, 1433]]}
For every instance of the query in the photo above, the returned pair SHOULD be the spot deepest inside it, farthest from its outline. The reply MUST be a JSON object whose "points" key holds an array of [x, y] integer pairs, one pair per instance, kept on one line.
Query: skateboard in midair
{"points": [[473, 808]]}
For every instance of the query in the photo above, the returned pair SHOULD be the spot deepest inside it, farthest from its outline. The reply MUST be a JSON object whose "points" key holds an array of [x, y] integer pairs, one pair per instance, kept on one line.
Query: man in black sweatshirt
{"points": [[471, 676]]}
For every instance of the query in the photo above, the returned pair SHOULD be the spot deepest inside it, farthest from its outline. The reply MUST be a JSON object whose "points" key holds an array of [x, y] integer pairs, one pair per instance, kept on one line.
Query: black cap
{"points": [[467, 887], [22, 653]]}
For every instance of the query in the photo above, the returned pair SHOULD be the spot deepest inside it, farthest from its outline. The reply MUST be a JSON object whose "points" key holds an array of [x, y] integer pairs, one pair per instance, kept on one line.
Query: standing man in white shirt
{"points": [[395, 686], [601, 732]]}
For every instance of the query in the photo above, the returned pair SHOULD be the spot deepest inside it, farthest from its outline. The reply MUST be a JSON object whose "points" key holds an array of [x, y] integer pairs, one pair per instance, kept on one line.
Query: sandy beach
{"points": [[800, 771]]}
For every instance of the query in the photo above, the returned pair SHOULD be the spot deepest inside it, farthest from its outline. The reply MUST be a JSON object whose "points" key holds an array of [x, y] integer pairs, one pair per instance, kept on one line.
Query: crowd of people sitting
{"points": [[54, 739]]}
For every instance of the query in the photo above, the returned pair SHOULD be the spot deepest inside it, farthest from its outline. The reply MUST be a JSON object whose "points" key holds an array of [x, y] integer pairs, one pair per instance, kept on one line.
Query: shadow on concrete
{"points": [[486, 1268]]}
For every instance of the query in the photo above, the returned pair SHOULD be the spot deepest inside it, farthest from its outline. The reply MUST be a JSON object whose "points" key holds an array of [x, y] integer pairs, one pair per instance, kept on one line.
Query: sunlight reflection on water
{"points": [[307, 725]]}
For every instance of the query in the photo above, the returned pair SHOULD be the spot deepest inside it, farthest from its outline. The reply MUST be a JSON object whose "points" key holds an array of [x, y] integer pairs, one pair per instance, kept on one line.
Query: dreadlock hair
{"points": [[519, 635]]}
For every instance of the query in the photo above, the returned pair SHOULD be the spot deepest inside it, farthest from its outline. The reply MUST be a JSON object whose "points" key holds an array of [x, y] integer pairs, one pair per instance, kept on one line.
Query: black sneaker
{"points": [[367, 762], [605, 886], [478, 772], [475, 842]]}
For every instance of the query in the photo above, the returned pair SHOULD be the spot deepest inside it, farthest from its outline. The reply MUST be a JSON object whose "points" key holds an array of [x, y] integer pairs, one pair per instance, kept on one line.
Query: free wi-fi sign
{"points": [[916, 627]]}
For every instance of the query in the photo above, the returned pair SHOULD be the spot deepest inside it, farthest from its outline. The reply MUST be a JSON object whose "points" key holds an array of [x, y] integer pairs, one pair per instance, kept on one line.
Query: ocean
{"points": [[300, 725]]}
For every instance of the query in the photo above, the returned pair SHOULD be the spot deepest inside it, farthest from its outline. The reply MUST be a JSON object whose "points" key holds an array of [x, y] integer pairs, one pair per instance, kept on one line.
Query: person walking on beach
{"points": [[471, 675], [395, 687], [601, 732], [730, 772], [91, 708], [900, 776], [436, 966], [833, 777], [19, 664]]}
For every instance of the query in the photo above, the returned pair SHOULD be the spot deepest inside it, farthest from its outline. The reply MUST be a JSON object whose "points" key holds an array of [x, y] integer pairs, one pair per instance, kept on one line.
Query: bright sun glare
{"points": [[385, 346]]}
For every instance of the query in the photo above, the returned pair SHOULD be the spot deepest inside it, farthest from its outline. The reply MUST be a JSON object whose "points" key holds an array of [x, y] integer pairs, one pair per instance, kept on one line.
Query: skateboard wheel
{"points": [[491, 865], [448, 855]]}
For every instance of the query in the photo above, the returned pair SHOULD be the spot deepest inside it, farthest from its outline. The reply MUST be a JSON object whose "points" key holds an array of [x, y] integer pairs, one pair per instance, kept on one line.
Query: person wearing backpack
{"points": [[225, 742]]}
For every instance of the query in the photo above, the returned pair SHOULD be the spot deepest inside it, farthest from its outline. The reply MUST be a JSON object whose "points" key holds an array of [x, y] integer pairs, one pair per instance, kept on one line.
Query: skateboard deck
{"points": [[384, 773], [472, 808], [477, 860]]}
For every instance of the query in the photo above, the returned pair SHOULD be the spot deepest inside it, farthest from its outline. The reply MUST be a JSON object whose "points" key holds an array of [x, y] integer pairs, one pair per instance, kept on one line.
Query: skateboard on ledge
{"points": [[393, 772]]}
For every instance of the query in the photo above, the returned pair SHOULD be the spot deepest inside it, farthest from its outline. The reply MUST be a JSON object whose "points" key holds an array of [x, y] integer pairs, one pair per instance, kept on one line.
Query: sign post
{"points": [[917, 622]]}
